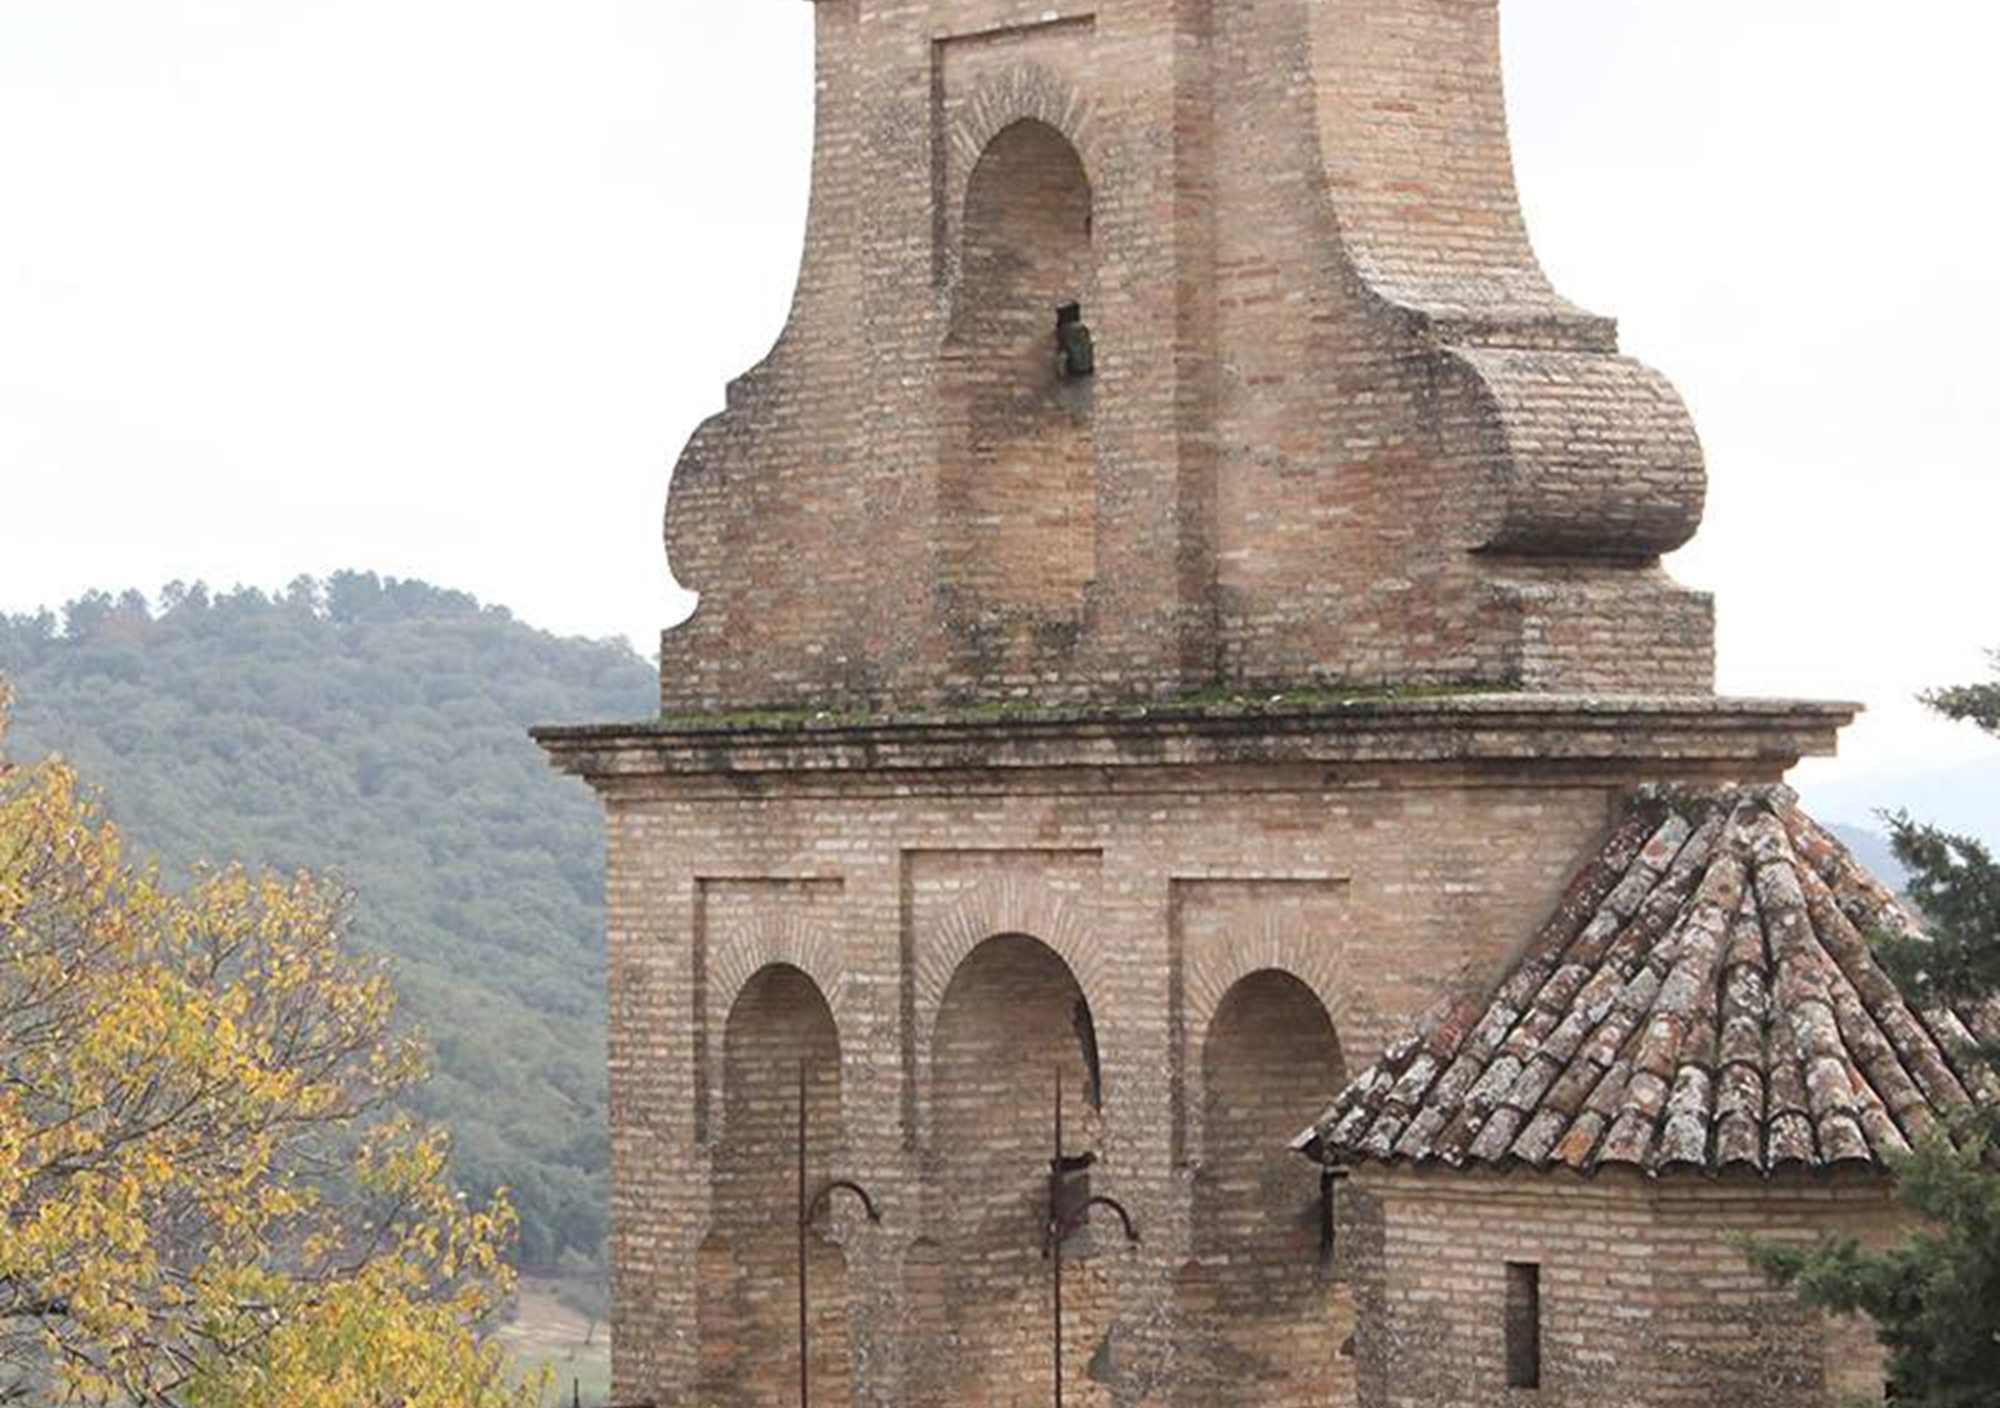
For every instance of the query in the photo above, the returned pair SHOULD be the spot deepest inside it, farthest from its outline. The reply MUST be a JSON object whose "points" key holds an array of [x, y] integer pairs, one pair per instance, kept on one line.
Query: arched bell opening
{"points": [[1012, 1021], [747, 1317], [1270, 1058], [1017, 483]]}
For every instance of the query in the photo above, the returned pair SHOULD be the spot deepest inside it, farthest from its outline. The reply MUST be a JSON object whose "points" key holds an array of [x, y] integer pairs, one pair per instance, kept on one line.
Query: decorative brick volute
{"points": [[1340, 430]]}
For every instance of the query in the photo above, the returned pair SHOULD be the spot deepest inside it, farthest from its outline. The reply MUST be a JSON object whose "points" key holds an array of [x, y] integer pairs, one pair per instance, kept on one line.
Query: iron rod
{"points": [[1055, 1234], [805, 1324], [808, 1209], [1065, 1220]]}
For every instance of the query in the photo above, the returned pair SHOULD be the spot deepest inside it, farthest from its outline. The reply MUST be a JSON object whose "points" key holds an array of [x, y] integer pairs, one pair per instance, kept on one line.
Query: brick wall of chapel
{"points": [[1154, 906], [1646, 1295]]}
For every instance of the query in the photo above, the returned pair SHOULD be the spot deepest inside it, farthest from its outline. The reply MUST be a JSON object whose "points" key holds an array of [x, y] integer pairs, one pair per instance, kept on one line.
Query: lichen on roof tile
{"points": [[1706, 996]]}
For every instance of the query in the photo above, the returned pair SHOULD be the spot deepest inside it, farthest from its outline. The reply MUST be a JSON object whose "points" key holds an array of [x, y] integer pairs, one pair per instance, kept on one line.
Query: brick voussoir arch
{"points": [[991, 910], [744, 953], [1271, 950], [1028, 92], [782, 941]]}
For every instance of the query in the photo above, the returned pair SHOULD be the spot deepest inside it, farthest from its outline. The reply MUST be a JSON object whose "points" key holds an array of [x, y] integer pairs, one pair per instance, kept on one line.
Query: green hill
{"points": [[377, 728]]}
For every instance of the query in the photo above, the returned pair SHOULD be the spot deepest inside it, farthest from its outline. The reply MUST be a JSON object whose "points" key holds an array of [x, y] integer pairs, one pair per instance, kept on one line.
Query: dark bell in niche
{"points": [[1075, 352]]}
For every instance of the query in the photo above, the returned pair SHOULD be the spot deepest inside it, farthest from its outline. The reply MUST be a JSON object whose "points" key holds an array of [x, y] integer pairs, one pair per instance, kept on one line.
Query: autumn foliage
{"points": [[208, 1200]]}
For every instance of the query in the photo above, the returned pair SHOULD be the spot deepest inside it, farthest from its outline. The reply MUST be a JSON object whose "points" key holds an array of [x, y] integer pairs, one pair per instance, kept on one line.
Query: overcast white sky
{"points": [[438, 287]]}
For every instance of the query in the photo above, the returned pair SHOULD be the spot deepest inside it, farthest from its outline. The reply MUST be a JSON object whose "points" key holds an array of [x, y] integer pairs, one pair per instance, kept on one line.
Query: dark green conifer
{"points": [[1936, 1298]]}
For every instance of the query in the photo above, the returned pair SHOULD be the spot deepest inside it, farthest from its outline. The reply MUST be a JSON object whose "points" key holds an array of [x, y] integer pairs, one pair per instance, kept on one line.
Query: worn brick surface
{"points": [[1029, 729], [1342, 430], [1647, 1297], [1247, 907]]}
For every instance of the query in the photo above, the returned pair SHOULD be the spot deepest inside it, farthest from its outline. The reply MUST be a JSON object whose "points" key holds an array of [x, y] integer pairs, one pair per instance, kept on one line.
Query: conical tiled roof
{"points": [[1706, 997]]}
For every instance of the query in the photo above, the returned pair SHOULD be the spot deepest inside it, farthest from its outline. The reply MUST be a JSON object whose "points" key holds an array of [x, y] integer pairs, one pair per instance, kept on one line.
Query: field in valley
{"points": [[544, 1331]]}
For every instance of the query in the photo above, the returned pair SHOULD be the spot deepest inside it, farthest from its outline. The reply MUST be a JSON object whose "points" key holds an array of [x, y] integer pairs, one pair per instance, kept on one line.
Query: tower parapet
{"points": [[1338, 431]]}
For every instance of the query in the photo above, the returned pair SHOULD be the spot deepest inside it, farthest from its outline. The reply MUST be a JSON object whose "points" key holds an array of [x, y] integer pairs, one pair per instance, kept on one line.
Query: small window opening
{"points": [[1330, 1180], [1524, 1325]]}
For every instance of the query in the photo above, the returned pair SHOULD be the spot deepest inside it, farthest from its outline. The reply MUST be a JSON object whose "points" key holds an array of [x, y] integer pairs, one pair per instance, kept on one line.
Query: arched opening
{"points": [[1270, 1060], [748, 1316], [1012, 1020], [1017, 482]]}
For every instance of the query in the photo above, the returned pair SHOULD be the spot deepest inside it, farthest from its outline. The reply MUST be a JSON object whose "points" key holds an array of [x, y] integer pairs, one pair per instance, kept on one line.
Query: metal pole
{"points": [[1055, 1235], [808, 1210], [805, 1326], [1065, 1220]]}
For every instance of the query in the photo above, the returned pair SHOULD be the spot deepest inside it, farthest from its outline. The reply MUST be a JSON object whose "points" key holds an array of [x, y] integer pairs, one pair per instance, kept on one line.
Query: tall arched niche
{"points": [[1013, 1021], [779, 1025], [1017, 481], [1269, 1055]]}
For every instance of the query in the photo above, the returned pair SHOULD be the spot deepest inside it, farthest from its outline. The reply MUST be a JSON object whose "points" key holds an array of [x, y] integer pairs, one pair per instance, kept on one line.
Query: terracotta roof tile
{"points": [[1705, 997]]}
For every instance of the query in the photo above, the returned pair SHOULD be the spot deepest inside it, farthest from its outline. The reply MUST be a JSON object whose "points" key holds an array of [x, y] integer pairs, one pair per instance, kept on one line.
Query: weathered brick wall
{"points": [[1017, 484], [1246, 906], [1341, 432], [1646, 1295], [1012, 1022], [1152, 904]]}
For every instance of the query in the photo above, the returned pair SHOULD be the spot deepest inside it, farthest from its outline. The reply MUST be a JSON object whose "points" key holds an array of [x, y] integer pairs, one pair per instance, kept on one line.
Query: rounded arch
{"points": [[1017, 478], [1311, 957], [776, 941], [1270, 1059], [995, 908], [739, 956], [779, 1025], [1025, 218], [779, 1043], [1026, 92], [1013, 1021], [1017, 1000]]}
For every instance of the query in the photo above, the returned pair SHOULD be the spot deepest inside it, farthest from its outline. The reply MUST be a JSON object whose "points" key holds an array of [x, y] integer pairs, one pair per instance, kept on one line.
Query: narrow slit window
{"points": [[1524, 1325]]}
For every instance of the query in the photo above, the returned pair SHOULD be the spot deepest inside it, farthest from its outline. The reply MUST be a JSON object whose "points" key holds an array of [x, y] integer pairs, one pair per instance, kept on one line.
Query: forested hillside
{"points": [[377, 728]]}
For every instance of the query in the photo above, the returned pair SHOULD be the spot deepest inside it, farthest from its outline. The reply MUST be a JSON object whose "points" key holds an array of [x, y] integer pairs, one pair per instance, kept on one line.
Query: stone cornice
{"points": [[1761, 737]]}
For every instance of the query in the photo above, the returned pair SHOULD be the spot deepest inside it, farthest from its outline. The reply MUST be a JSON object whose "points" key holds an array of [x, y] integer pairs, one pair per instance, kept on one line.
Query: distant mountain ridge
{"points": [[1872, 849], [1963, 798], [378, 728]]}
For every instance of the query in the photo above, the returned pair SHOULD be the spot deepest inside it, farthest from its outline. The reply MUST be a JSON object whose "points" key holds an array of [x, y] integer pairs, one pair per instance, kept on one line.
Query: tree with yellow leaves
{"points": [[208, 1201]]}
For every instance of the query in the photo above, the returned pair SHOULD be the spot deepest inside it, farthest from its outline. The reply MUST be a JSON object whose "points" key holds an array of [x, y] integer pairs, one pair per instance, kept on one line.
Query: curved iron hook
{"points": [[840, 1185], [1076, 1215]]}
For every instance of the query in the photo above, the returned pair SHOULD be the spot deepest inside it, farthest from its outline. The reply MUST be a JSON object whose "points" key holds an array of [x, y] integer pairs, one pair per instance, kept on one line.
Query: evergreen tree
{"points": [[1936, 1299]]}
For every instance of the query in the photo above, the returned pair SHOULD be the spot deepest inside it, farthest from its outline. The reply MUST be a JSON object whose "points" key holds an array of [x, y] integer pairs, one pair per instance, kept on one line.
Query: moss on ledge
{"points": [[1207, 703]]}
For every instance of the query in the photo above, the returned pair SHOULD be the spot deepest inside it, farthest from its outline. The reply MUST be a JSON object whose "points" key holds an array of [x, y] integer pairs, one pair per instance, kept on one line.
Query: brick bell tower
{"points": [[1182, 589]]}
